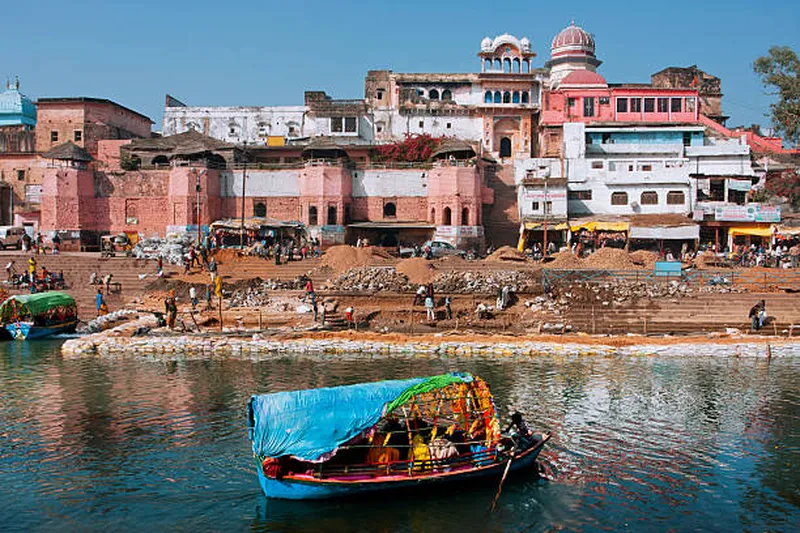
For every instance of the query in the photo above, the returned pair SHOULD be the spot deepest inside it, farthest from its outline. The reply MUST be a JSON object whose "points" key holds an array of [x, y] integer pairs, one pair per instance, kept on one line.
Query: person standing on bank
{"points": [[193, 297], [99, 301]]}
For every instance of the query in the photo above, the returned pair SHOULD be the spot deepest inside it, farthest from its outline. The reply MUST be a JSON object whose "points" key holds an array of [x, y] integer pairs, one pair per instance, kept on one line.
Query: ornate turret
{"points": [[16, 109]]}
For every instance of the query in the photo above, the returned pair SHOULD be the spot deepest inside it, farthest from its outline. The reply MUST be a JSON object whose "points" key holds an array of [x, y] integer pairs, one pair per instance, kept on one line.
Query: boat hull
{"points": [[28, 331], [309, 488]]}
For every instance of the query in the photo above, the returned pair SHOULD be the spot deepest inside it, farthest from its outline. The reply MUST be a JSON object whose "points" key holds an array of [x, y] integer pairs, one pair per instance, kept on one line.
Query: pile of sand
{"points": [[506, 253], [644, 258], [417, 270], [342, 258], [610, 259], [565, 260]]}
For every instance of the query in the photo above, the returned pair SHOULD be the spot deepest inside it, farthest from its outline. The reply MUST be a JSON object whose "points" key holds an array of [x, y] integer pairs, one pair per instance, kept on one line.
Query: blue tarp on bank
{"points": [[307, 424]]}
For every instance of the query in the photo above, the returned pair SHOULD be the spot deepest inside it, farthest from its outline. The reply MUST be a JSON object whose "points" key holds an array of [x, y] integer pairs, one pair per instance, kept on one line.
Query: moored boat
{"points": [[389, 435], [35, 316]]}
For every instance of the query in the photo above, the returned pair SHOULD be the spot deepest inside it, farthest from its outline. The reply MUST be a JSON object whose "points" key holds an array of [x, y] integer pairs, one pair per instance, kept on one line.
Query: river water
{"points": [[639, 444]]}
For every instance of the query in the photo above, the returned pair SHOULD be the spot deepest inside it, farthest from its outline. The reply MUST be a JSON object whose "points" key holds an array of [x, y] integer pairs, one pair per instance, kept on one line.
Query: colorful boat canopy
{"points": [[308, 424], [34, 304]]}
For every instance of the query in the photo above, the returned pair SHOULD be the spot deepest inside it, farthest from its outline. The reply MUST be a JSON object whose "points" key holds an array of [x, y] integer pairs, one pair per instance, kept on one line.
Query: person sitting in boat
{"points": [[523, 434]]}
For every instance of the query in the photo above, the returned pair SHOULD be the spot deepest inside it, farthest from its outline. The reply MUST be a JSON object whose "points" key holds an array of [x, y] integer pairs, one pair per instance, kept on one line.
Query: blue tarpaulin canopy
{"points": [[307, 424]]}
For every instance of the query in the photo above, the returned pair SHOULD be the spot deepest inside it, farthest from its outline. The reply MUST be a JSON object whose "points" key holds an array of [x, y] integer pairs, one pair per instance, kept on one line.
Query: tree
{"points": [[779, 71]]}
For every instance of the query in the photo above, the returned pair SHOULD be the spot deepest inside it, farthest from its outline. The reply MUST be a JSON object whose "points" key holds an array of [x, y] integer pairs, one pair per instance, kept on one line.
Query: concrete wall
{"points": [[251, 124], [261, 183], [390, 183]]}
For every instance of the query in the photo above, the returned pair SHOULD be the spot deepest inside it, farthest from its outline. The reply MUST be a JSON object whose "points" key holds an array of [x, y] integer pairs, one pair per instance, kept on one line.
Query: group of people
{"points": [[36, 244], [426, 295], [778, 256], [758, 315], [37, 279]]}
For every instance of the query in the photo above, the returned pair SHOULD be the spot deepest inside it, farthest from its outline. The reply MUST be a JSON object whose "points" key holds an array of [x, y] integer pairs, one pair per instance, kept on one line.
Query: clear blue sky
{"points": [[267, 53]]}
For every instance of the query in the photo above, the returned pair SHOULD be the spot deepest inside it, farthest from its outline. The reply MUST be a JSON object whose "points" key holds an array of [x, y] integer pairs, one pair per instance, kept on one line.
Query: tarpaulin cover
{"points": [[308, 424], [600, 226], [759, 231], [36, 304]]}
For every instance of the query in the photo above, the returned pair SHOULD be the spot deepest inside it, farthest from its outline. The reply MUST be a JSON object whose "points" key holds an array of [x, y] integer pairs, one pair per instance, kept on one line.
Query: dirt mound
{"points": [[506, 253], [417, 270], [610, 259], [644, 258], [227, 255], [565, 260], [342, 258]]}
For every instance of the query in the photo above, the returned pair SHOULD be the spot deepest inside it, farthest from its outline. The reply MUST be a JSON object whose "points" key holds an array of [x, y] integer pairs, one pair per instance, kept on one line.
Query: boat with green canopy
{"points": [[34, 316], [371, 437]]}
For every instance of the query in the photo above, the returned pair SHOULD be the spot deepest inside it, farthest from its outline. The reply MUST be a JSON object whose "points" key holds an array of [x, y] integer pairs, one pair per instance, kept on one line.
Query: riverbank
{"points": [[123, 341]]}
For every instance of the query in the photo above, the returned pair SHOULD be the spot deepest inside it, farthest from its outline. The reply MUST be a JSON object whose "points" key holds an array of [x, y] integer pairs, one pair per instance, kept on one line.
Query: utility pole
{"points": [[197, 200], [244, 182], [544, 241]]}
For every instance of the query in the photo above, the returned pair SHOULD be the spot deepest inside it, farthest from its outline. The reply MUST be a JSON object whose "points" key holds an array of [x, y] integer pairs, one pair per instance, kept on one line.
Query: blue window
{"points": [[488, 97], [515, 97]]}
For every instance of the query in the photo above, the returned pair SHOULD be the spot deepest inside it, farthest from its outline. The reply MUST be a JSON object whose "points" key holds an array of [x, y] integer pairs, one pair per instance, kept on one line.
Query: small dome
{"points": [[525, 44], [584, 78], [16, 108], [573, 37], [486, 44]]}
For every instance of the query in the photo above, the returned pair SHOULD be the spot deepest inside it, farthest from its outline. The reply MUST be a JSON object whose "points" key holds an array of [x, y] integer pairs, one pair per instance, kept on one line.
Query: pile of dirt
{"points": [[506, 253], [610, 259], [565, 260], [703, 259], [342, 258], [644, 259], [227, 255], [417, 270]]}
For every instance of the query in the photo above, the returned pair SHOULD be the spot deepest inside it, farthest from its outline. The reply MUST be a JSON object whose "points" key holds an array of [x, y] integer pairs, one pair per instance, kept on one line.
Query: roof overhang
{"points": [[392, 225]]}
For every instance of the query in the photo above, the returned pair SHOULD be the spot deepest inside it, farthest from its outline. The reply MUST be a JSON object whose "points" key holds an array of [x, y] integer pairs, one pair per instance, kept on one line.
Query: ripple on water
{"points": [[681, 443]]}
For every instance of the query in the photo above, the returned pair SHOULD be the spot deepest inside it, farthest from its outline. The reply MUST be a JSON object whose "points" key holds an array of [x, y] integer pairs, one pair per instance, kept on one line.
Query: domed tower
{"points": [[572, 49], [16, 109]]}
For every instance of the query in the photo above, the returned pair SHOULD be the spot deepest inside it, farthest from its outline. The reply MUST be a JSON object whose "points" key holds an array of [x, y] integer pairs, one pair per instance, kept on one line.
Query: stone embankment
{"points": [[118, 342]]}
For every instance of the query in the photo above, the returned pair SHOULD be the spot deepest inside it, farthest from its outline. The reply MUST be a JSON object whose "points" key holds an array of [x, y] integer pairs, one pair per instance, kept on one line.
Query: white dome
{"points": [[525, 44], [486, 44]]}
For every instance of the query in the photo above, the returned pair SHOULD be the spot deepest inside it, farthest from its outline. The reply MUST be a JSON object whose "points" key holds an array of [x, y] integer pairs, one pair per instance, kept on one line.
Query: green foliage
{"points": [[787, 185], [779, 70], [129, 162]]}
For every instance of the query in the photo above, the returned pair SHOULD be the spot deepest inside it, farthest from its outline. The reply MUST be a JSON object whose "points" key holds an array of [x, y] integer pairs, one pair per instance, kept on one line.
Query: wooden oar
{"points": [[503, 479]]}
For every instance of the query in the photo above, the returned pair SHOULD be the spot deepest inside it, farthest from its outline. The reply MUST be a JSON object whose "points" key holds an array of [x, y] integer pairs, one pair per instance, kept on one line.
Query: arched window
{"points": [[389, 210], [488, 97], [260, 209], [331, 215], [505, 147], [676, 198], [447, 95], [312, 215], [619, 198], [433, 94], [515, 65], [526, 66], [487, 64], [498, 98], [507, 97], [433, 215], [498, 65], [525, 97], [515, 97], [448, 217], [465, 216], [506, 65], [160, 161], [649, 198]]}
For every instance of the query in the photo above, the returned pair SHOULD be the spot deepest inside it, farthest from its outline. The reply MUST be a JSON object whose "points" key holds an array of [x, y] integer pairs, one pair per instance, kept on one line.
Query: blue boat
{"points": [[36, 316], [390, 435]]}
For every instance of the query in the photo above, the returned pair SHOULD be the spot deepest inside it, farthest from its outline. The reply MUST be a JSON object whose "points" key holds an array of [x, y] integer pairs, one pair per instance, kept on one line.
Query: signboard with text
{"points": [[747, 213]]}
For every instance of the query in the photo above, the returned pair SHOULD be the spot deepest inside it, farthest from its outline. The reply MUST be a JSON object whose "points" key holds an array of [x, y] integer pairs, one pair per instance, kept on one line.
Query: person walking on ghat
{"points": [[447, 309], [429, 309], [99, 301], [193, 297], [10, 270], [171, 309], [32, 269], [212, 269]]}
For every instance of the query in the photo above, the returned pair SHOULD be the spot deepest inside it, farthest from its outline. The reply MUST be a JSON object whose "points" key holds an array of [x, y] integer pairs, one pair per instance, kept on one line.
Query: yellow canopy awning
{"points": [[531, 226], [759, 231], [600, 226]]}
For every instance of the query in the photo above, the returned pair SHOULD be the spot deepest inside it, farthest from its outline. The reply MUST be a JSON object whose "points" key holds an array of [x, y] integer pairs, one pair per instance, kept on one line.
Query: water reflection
{"points": [[638, 442]]}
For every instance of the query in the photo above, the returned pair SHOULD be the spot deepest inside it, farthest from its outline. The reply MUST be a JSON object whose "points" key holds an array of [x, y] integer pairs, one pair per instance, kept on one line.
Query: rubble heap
{"points": [[102, 323], [258, 294], [370, 279], [171, 249], [621, 291], [486, 282]]}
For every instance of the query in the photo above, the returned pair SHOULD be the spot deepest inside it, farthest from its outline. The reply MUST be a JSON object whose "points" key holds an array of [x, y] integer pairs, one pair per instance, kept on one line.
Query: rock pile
{"points": [[102, 323], [485, 282], [171, 249], [370, 279], [258, 294], [621, 291]]}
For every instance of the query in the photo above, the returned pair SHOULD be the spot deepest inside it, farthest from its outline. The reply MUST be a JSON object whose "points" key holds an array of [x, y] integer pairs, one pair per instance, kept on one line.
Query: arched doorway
{"points": [[260, 209], [448, 217], [505, 147]]}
